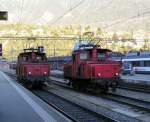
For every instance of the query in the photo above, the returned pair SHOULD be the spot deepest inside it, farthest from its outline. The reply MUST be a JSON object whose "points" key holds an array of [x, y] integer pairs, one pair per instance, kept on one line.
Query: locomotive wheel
{"points": [[99, 89], [113, 89], [38, 85], [78, 86], [18, 78], [105, 89], [114, 86], [28, 85], [75, 86]]}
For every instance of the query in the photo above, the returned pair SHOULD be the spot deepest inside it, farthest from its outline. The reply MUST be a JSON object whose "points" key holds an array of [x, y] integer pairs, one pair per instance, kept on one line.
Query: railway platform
{"points": [[17, 104], [137, 78], [58, 73]]}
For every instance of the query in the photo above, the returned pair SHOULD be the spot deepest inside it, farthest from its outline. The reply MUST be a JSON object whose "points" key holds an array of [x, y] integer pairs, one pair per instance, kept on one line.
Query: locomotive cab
{"points": [[32, 67], [91, 66]]}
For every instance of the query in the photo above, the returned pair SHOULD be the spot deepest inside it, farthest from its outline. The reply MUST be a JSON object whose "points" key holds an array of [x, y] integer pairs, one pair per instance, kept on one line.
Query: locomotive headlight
{"points": [[45, 73], [117, 74], [29, 73], [99, 74]]}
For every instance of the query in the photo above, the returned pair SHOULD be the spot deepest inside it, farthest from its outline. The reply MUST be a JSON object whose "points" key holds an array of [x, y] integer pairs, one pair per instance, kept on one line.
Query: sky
{"points": [[85, 12]]}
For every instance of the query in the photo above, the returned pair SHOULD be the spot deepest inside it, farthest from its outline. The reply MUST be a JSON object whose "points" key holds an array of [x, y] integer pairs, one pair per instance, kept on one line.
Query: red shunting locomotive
{"points": [[32, 67], [91, 68]]}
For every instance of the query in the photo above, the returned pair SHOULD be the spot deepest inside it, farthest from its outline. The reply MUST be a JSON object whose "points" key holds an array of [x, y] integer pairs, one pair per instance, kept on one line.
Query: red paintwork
{"points": [[104, 70], [92, 68], [32, 65], [36, 69]]}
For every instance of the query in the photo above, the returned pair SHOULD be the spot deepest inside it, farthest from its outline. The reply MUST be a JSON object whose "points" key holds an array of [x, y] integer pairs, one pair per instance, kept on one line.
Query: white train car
{"points": [[136, 62]]}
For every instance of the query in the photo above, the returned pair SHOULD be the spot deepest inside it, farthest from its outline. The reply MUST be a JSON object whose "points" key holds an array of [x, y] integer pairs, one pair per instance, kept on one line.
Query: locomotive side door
{"points": [[77, 68], [75, 63]]}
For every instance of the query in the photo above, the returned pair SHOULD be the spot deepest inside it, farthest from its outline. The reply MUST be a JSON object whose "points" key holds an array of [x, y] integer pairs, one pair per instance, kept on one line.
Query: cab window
{"points": [[73, 57], [84, 56], [25, 58], [40, 58], [101, 56]]}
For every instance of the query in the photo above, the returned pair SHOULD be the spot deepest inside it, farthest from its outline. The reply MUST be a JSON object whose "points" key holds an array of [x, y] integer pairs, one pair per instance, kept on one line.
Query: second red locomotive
{"points": [[32, 67], [91, 68]]}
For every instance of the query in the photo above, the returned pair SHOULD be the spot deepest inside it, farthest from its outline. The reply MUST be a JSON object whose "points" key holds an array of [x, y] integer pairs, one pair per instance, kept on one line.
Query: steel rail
{"points": [[71, 110]]}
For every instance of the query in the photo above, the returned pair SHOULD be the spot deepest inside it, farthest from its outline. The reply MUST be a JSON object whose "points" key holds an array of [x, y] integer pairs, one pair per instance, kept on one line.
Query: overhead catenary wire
{"points": [[123, 21], [68, 11], [96, 9], [21, 10], [67, 38], [120, 21], [129, 19]]}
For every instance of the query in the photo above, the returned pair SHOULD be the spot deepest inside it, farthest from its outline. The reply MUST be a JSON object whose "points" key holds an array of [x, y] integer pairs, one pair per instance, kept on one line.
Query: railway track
{"points": [[136, 103], [69, 109], [139, 105], [122, 85], [126, 86], [103, 109], [73, 111], [134, 87]]}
